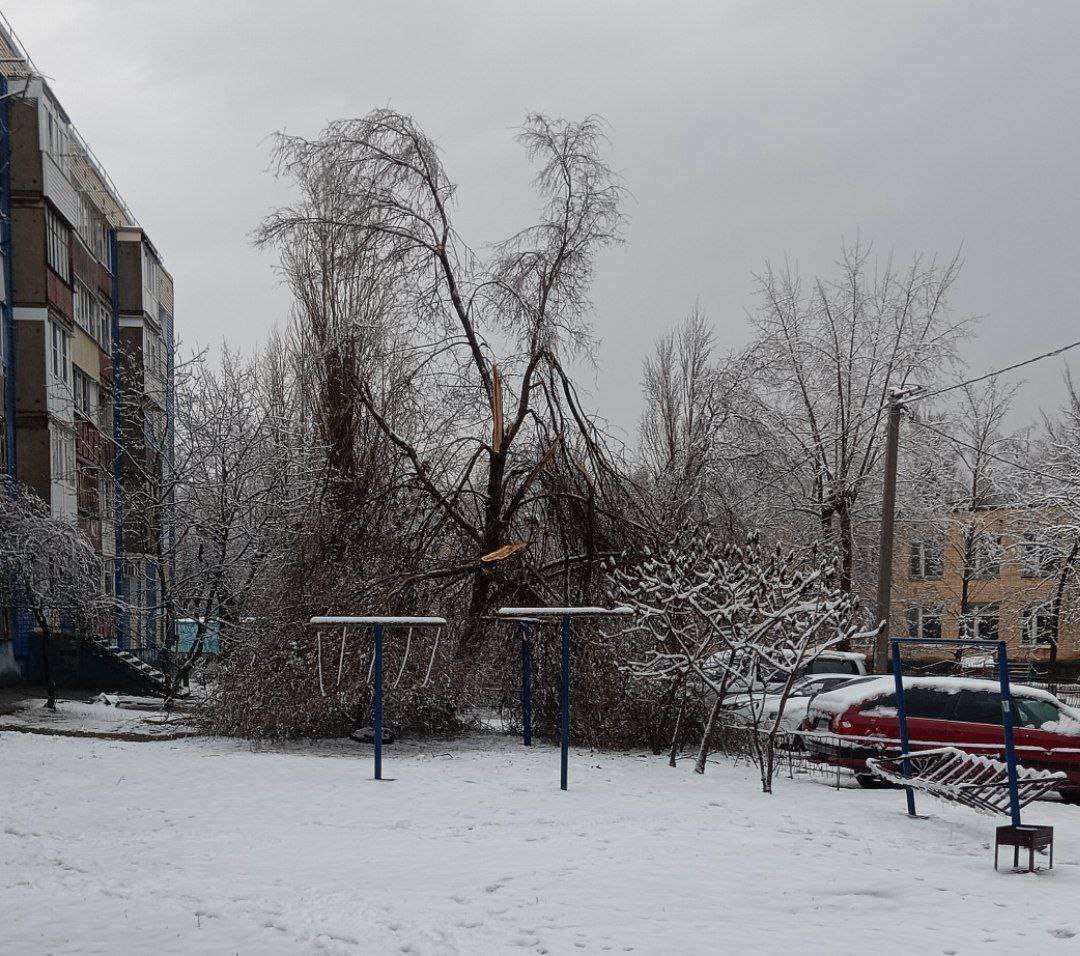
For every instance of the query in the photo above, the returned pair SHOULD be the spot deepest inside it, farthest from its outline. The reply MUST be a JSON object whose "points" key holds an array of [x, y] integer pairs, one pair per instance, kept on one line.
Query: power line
{"points": [[993, 374], [998, 458]]}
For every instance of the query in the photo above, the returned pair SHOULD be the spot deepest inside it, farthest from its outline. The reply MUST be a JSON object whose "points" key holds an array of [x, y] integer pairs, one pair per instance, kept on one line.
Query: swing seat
{"points": [[975, 781], [366, 735]]}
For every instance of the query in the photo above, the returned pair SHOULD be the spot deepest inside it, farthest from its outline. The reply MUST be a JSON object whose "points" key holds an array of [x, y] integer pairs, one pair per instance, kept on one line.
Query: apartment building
{"points": [[86, 341]]}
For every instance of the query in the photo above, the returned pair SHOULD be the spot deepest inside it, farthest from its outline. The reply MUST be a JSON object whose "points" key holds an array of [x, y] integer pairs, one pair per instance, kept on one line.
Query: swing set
{"points": [[526, 618], [377, 623]]}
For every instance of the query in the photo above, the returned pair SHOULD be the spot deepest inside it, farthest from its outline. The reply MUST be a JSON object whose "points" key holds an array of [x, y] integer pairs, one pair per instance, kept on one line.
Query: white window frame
{"points": [[58, 244], [1030, 618]]}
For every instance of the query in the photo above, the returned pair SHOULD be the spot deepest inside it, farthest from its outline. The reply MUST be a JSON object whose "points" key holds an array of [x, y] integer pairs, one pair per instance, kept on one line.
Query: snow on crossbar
{"points": [[975, 781], [517, 612], [412, 621]]}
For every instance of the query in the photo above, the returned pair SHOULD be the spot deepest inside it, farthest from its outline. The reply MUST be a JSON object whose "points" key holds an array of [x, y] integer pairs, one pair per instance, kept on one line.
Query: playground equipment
{"points": [[972, 780], [527, 618], [378, 623]]}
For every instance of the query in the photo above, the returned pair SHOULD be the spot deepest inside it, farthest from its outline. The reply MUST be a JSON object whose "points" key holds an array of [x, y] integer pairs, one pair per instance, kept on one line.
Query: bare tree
{"points": [[827, 354], [51, 570], [458, 361]]}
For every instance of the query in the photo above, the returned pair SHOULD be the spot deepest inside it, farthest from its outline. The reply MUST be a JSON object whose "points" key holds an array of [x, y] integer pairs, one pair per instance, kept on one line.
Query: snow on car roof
{"points": [[838, 700]]}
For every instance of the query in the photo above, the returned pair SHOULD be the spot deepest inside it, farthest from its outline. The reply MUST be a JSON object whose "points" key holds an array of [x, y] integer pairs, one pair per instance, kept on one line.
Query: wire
{"points": [[1000, 371], [989, 454]]}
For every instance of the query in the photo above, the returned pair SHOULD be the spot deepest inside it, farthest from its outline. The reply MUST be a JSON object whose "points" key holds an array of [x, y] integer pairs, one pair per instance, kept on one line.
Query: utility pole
{"points": [[885, 552]]}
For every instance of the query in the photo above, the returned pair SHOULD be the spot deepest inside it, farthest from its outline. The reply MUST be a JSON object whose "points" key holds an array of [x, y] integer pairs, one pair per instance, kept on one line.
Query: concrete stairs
{"points": [[146, 676]]}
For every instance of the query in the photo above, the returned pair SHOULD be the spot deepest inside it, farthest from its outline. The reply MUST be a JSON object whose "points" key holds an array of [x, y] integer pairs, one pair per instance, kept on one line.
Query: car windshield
{"points": [[1032, 712], [808, 686]]}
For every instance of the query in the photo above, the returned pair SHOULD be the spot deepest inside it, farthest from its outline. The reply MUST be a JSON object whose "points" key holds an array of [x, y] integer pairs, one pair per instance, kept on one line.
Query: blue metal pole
{"points": [[1007, 724], [565, 701], [901, 714], [378, 701], [526, 685]]}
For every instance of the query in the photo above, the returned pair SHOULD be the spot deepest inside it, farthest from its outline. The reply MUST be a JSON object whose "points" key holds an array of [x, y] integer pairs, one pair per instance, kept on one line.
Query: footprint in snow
{"points": [[1063, 933]]}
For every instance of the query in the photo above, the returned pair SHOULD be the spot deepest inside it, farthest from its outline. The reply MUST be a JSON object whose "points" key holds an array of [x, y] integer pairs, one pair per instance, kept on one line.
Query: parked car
{"points": [[745, 707], [844, 663], [859, 720]]}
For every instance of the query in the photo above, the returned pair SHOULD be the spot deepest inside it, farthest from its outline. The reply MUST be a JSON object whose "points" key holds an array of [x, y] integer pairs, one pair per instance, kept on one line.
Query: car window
{"points": [[979, 707], [885, 704], [1029, 712], [832, 665], [919, 702], [929, 704]]}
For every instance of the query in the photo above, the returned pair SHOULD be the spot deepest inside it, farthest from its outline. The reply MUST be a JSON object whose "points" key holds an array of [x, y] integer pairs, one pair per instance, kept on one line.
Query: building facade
{"points": [[998, 574], [86, 341]]}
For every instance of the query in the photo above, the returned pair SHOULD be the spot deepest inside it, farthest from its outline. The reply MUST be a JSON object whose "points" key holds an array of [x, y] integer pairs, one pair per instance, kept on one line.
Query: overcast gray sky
{"points": [[745, 131]]}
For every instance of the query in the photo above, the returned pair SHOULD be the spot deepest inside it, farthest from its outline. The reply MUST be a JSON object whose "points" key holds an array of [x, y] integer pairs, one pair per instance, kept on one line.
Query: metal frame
{"points": [[378, 622], [527, 617], [1006, 713]]}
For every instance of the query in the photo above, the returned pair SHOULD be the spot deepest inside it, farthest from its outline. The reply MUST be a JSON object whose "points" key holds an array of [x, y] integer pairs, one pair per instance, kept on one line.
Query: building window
{"points": [[85, 313], [1040, 554], [981, 623], [150, 272], [108, 499], [924, 623], [85, 394], [60, 353], [103, 330], [1037, 625], [984, 560], [63, 454], [926, 559], [108, 577], [58, 252]]}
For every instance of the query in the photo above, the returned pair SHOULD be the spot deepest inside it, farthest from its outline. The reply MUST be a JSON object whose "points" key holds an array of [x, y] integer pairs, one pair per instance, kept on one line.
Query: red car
{"points": [[858, 720]]}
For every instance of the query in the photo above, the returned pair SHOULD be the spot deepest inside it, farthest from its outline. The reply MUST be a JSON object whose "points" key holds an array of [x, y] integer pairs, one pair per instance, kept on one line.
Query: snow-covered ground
{"points": [[201, 846]]}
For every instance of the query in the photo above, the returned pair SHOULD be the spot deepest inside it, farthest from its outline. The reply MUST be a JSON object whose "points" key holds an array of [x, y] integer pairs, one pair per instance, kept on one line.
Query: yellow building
{"points": [[994, 574]]}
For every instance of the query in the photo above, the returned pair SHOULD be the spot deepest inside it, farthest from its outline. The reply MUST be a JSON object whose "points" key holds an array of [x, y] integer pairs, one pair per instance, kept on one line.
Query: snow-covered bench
{"points": [[975, 781]]}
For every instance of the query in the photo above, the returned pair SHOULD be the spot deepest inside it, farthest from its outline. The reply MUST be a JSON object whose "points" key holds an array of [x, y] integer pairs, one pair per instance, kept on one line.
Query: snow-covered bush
{"points": [[718, 618]]}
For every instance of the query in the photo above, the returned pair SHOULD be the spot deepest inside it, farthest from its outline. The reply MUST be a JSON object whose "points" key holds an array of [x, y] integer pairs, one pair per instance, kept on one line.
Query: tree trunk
{"points": [[703, 750], [678, 729], [46, 666]]}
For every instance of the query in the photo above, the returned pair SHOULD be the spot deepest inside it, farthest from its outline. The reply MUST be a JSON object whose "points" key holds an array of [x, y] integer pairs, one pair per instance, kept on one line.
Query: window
{"points": [[63, 454], [929, 704], [108, 577], [107, 498], [926, 559], [1040, 554], [979, 707], [60, 353], [1032, 712], [984, 559], [1037, 625], [103, 332], [85, 313], [150, 272], [58, 252], [981, 623], [86, 395], [924, 622]]}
